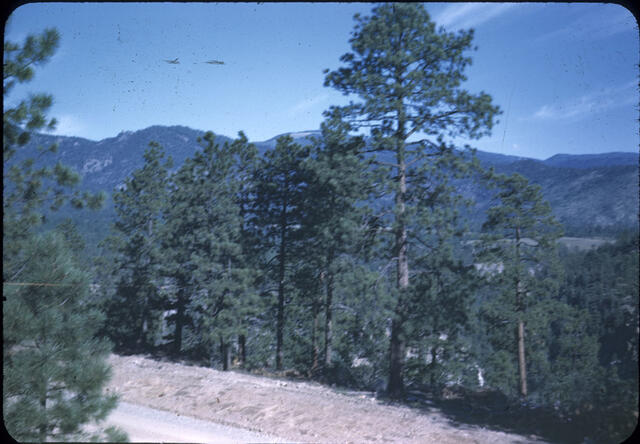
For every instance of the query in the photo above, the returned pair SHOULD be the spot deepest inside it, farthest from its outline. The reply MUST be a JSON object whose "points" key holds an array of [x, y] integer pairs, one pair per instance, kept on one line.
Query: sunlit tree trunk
{"points": [[522, 365]]}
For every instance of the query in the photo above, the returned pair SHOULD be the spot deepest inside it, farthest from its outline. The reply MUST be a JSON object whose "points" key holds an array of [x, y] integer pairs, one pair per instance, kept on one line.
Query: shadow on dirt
{"points": [[492, 410]]}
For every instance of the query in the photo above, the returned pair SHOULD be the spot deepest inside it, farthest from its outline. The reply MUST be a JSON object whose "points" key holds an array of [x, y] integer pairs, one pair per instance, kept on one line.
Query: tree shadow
{"points": [[494, 411]]}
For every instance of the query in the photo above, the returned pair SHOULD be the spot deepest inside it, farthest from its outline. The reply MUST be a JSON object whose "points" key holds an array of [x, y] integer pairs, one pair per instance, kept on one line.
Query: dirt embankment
{"points": [[297, 411]]}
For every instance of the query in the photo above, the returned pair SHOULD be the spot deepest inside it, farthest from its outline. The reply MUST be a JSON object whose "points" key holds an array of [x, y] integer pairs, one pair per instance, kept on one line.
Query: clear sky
{"points": [[565, 75]]}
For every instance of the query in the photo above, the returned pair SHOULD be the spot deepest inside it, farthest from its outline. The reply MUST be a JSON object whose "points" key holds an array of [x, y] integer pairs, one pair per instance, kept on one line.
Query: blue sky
{"points": [[565, 75]]}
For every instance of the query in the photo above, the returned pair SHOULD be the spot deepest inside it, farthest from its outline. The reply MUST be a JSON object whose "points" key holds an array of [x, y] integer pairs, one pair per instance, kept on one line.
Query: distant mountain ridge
{"points": [[301, 137], [558, 160], [107, 162], [588, 192], [593, 160]]}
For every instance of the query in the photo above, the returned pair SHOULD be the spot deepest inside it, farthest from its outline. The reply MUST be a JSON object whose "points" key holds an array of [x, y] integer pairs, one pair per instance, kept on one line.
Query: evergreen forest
{"points": [[347, 260]]}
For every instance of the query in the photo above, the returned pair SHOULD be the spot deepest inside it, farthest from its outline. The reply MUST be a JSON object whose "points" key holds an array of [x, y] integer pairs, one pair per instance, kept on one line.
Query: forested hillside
{"points": [[382, 264]]}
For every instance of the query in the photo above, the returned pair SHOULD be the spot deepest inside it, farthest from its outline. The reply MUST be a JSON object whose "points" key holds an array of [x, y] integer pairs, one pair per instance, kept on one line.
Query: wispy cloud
{"points": [[306, 104], [590, 104], [594, 26], [469, 15], [70, 125]]}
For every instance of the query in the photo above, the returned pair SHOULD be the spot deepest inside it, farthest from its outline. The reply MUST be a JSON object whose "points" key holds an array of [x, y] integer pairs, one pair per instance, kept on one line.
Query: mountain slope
{"points": [[106, 163], [589, 199]]}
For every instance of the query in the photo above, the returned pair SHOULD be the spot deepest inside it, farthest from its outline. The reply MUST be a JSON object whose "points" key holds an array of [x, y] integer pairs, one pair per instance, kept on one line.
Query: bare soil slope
{"points": [[297, 411]]}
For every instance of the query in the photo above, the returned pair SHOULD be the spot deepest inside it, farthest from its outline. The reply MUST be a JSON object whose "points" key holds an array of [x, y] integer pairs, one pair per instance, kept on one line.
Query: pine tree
{"points": [[304, 309], [334, 221], [140, 205], [440, 298], [203, 242], [28, 187], [246, 155], [520, 252], [408, 78], [280, 184], [53, 367], [72, 237], [230, 297]]}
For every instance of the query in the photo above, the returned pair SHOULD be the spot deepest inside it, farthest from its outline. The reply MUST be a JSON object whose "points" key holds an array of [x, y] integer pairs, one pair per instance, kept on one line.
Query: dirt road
{"points": [[144, 424], [297, 411]]}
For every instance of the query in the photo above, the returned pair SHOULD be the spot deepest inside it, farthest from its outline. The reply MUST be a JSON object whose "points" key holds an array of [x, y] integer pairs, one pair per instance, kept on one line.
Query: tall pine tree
{"points": [[204, 247], [520, 252], [140, 206], [246, 155], [278, 212], [407, 76], [334, 221]]}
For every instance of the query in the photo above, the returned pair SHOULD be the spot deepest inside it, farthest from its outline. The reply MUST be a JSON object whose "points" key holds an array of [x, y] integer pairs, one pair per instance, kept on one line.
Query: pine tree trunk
{"points": [[145, 321], [522, 366], [396, 386], [226, 356], [43, 426], [280, 327], [177, 340], [432, 378], [328, 324], [242, 339], [315, 349], [242, 350], [281, 275], [397, 346], [142, 331], [521, 360]]}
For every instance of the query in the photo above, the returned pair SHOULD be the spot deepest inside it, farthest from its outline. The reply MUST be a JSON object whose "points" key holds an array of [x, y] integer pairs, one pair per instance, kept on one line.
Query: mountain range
{"points": [[595, 194]]}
